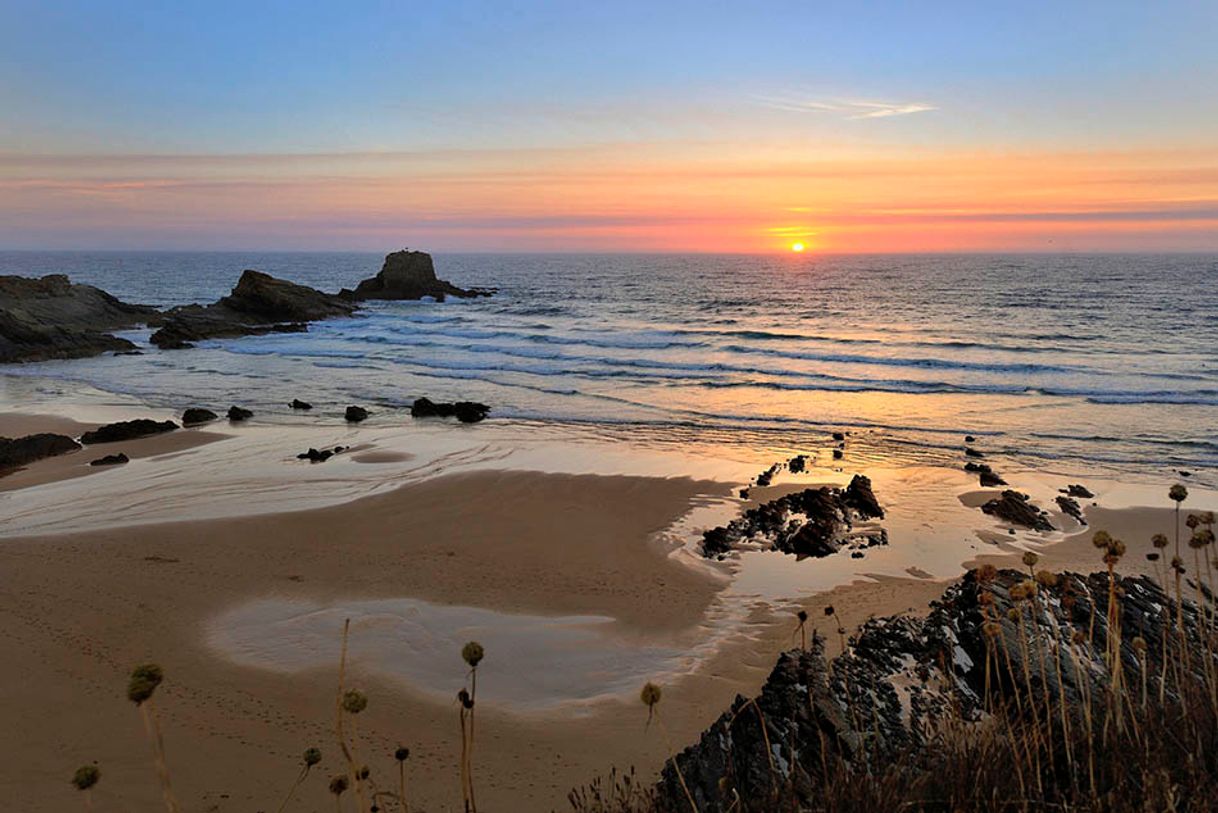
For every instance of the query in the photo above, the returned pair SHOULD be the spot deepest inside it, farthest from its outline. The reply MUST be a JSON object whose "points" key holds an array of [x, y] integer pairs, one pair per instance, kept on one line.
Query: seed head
{"points": [[987, 573], [363, 773], [1046, 578], [1101, 539], [338, 784], [354, 701], [464, 698], [1159, 541], [1030, 559], [312, 756], [1139, 644], [1178, 493], [144, 680], [650, 695], [402, 754], [472, 653], [1177, 564], [802, 615], [1205, 537], [86, 776], [829, 610], [992, 629], [1207, 517], [1193, 521]]}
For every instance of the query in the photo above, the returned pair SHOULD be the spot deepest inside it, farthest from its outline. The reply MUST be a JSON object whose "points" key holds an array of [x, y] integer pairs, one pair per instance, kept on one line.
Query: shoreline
{"points": [[469, 545]]}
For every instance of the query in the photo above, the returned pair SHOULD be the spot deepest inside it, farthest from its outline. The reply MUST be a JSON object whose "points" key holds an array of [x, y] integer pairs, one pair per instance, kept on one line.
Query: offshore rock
{"points": [[237, 414], [127, 430], [355, 414], [52, 318], [259, 304], [197, 415], [464, 411], [408, 275]]}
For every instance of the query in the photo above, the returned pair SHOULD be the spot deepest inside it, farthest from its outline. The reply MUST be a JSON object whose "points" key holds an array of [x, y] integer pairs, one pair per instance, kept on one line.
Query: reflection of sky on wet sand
{"points": [[532, 663]]}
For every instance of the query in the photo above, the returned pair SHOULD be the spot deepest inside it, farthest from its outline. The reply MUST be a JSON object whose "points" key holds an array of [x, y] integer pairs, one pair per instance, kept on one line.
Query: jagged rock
{"points": [[259, 304], [355, 414], [299, 404], [197, 415], [766, 477], [408, 275], [111, 460], [1070, 506], [902, 680], [1014, 507], [991, 480], [316, 456], [839, 436], [52, 318], [237, 414], [1075, 490], [970, 439], [16, 452], [970, 452], [798, 463], [127, 430], [464, 411], [814, 522], [837, 454]]}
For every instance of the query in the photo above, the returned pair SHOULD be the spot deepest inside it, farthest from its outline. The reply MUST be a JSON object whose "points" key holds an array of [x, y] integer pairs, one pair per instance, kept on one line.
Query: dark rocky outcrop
{"points": [[814, 522], [16, 452], [52, 318], [299, 404], [797, 464], [237, 414], [320, 456], [355, 414], [259, 304], [1014, 507], [904, 680], [766, 477], [197, 415], [464, 411], [1070, 506], [111, 460], [971, 452], [1080, 491], [989, 479], [408, 275], [127, 430]]}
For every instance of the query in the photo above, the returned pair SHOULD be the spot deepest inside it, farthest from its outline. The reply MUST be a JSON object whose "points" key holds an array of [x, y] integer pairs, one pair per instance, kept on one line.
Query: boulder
{"points": [[859, 496], [408, 275], [1075, 490], [258, 305], [16, 452], [52, 318], [197, 415], [127, 430], [798, 463], [838, 454], [299, 404], [464, 411], [970, 452], [111, 460], [1014, 507], [237, 414], [991, 480], [355, 414], [1070, 506]]}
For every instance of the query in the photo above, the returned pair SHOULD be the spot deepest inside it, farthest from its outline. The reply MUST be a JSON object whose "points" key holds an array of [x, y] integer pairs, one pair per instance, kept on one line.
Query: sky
{"points": [[609, 126]]}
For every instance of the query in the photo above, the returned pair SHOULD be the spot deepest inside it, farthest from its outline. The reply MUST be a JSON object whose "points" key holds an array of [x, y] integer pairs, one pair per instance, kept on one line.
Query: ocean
{"points": [[1065, 363]]}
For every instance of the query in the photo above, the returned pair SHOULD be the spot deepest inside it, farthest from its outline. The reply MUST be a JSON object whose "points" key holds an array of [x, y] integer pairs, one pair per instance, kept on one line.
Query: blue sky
{"points": [[220, 78]]}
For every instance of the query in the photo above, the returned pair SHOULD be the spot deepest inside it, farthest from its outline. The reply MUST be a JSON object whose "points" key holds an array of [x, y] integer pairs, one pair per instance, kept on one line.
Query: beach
{"points": [[580, 584]]}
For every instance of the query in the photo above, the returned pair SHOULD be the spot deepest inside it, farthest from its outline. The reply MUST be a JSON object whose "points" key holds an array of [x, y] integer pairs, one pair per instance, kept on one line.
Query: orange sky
{"points": [[691, 197]]}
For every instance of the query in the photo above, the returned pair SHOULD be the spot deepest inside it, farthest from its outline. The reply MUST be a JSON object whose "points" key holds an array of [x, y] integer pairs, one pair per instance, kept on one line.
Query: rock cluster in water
{"points": [[464, 411], [51, 318], [814, 522], [409, 275], [901, 678]]}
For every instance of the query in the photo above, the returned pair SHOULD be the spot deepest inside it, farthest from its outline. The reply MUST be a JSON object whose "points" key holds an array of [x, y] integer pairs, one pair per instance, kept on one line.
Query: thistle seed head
{"points": [[312, 756], [86, 776], [1159, 541], [802, 615], [1101, 539], [1178, 493], [402, 754], [1193, 521], [987, 573], [354, 701], [144, 680], [338, 784], [472, 653], [1030, 559], [1047, 578], [650, 695]]}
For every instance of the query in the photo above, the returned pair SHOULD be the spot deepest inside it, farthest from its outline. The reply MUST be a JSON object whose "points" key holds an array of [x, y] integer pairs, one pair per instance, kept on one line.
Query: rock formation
{"points": [[464, 411], [408, 275], [902, 679], [237, 414], [51, 318], [16, 452], [813, 522], [259, 304], [127, 430], [355, 414], [1014, 507], [111, 460], [197, 415]]}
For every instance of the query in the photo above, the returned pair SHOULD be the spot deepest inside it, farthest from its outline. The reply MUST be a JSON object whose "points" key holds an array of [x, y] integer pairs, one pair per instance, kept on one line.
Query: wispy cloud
{"points": [[845, 108]]}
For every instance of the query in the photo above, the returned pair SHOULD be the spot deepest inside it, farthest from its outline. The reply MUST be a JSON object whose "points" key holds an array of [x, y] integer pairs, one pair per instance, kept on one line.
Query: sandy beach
{"points": [[576, 578]]}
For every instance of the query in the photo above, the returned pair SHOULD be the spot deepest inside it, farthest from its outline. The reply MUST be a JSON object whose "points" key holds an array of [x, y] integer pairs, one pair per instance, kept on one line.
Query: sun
{"points": [[797, 247]]}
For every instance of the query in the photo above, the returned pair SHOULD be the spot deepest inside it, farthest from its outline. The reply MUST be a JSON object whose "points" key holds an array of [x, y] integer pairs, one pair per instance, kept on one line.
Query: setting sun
{"points": [[797, 247]]}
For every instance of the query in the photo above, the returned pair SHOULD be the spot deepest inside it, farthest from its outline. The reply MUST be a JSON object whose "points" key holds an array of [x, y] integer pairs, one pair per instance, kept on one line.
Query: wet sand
{"points": [[484, 551]]}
